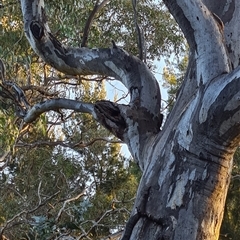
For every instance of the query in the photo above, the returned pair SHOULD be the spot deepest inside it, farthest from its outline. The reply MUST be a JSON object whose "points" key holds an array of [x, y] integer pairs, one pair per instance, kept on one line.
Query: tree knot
{"points": [[110, 117], [37, 30]]}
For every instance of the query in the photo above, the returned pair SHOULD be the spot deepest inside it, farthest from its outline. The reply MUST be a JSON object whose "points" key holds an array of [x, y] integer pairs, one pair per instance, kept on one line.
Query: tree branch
{"points": [[113, 62], [2, 70], [139, 32], [97, 223], [66, 144], [98, 7], [55, 105], [228, 12], [68, 201], [40, 89], [204, 35], [123, 121]]}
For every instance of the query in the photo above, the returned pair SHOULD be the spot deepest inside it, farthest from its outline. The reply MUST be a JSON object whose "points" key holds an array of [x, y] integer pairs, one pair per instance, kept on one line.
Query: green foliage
{"points": [[231, 222], [116, 22]]}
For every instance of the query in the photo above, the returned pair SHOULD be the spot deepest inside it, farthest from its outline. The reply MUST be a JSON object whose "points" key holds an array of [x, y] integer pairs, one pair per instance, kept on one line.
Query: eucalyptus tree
{"points": [[32, 162], [186, 162]]}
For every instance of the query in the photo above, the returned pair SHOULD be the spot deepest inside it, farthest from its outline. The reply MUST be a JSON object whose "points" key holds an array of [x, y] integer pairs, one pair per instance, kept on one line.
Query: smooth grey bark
{"points": [[187, 165]]}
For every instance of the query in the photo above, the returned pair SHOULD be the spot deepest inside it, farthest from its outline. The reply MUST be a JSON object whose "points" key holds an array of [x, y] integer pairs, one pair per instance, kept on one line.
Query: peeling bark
{"points": [[187, 165]]}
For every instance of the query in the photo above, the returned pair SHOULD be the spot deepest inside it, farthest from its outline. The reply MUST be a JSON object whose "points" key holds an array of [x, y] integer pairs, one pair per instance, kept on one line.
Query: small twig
{"points": [[39, 197], [236, 176], [120, 90], [12, 189], [123, 97], [68, 201], [82, 145], [84, 234], [95, 223], [61, 236], [2, 70]]}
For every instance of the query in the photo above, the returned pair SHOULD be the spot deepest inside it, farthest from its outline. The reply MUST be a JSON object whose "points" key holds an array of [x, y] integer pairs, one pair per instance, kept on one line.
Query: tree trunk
{"points": [[187, 165], [184, 185]]}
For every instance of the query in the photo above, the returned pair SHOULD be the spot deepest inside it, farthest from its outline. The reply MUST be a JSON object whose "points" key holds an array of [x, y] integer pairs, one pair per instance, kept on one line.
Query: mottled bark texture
{"points": [[187, 165]]}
